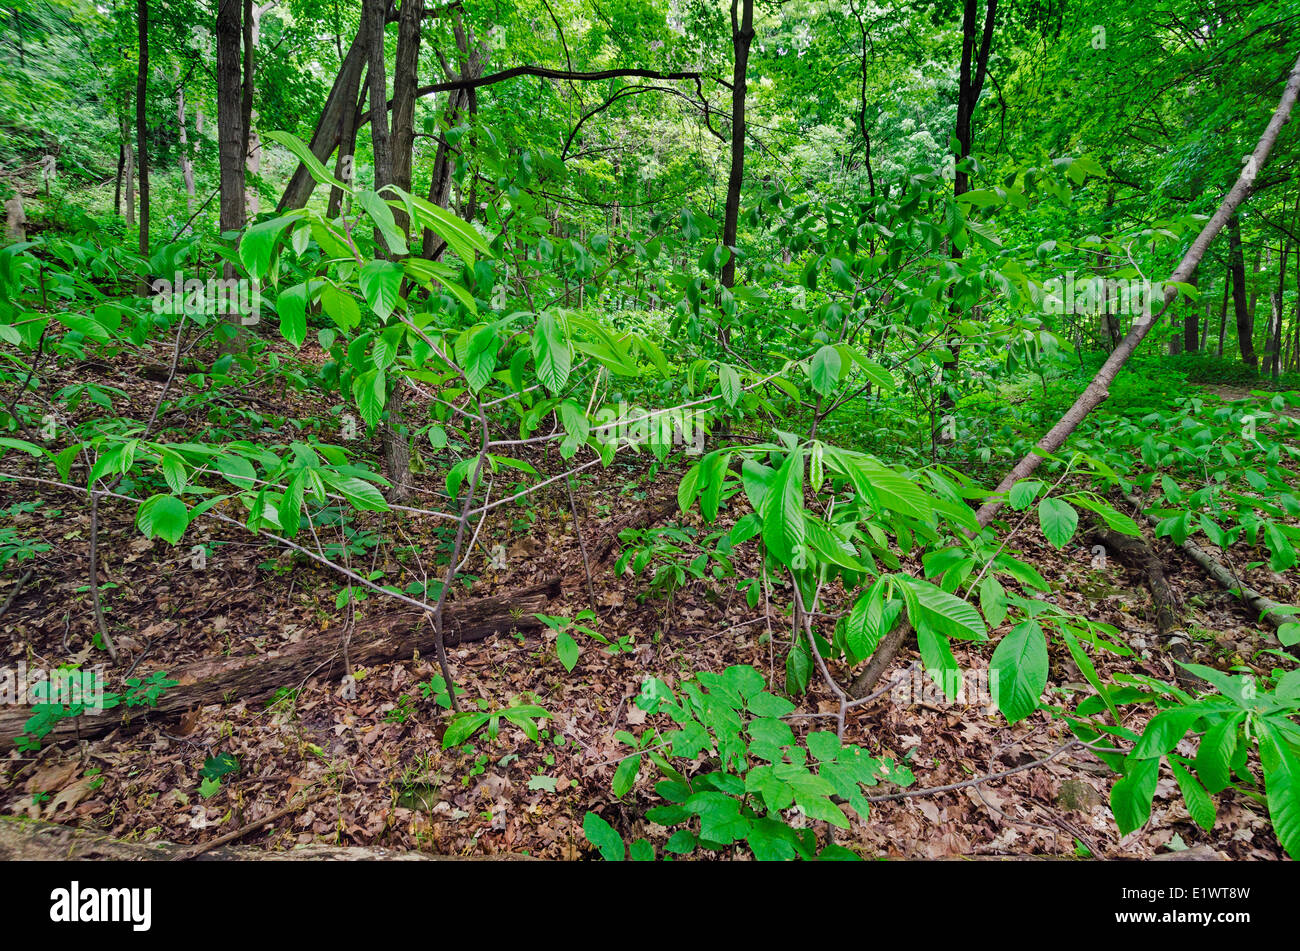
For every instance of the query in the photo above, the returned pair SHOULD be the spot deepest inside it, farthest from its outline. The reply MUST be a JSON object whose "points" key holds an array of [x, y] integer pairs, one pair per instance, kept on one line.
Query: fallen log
{"points": [[1136, 553], [1270, 612], [390, 636], [652, 513]]}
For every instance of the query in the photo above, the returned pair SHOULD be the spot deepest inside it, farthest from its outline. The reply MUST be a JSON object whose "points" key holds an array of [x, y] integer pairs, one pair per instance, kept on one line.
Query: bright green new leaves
{"points": [[381, 284], [382, 216], [784, 531], [1018, 671], [824, 370], [258, 244], [164, 517], [551, 353], [1058, 520]]}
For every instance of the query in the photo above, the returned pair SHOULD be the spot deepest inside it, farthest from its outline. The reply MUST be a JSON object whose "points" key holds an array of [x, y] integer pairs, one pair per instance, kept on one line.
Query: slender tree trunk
{"points": [[117, 189], [975, 46], [141, 118], [373, 13], [405, 82], [230, 139], [251, 145], [1274, 360], [742, 36], [129, 173], [1245, 325], [1223, 308], [1191, 328], [345, 165], [187, 162], [330, 127]]}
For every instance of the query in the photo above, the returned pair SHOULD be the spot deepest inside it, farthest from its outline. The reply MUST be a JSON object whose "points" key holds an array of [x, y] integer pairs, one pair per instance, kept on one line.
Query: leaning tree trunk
{"points": [[405, 82], [1099, 388], [330, 127]]}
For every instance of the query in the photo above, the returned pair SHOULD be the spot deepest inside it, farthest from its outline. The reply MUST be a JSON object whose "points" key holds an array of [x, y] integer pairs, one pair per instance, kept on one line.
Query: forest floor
{"points": [[372, 770]]}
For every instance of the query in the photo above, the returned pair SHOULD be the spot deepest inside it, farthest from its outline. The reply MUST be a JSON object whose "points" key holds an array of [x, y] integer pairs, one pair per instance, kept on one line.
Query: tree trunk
{"points": [[373, 15], [742, 35], [129, 173], [1223, 308], [405, 81], [230, 141], [346, 163], [330, 127], [975, 46], [187, 162], [141, 119], [1245, 326]]}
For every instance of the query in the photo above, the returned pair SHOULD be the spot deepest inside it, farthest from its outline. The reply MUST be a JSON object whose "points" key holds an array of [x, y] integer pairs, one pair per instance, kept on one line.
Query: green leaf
{"points": [[625, 776], [566, 648], [164, 517], [292, 307], [783, 519], [945, 612], [1018, 671], [381, 285], [382, 216], [258, 244], [824, 370], [1058, 521], [1199, 805], [463, 725], [602, 835], [729, 380], [1282, 783], [1130, 797], [304, 154], [551, 353]]}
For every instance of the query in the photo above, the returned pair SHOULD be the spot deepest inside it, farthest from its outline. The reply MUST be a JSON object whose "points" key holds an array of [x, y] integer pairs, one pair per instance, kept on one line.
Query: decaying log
{"points": [[30, 840], [383, 638], [652, 513], [1136, 552], [1270, 612]]}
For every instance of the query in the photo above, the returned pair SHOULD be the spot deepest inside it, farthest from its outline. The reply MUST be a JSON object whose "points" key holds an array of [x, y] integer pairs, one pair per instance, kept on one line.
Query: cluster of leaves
{"points": [[732, 772], [94, 700], [1237, 717]]}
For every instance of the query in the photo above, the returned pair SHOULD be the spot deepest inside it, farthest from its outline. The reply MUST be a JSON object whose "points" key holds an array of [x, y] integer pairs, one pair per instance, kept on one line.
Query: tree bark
{"points": [[141, 118], [230, 142], [405, 82], [187, 162], [742, 35], [975, 46], [330, 127], [373, 16], [1245, 325]]}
